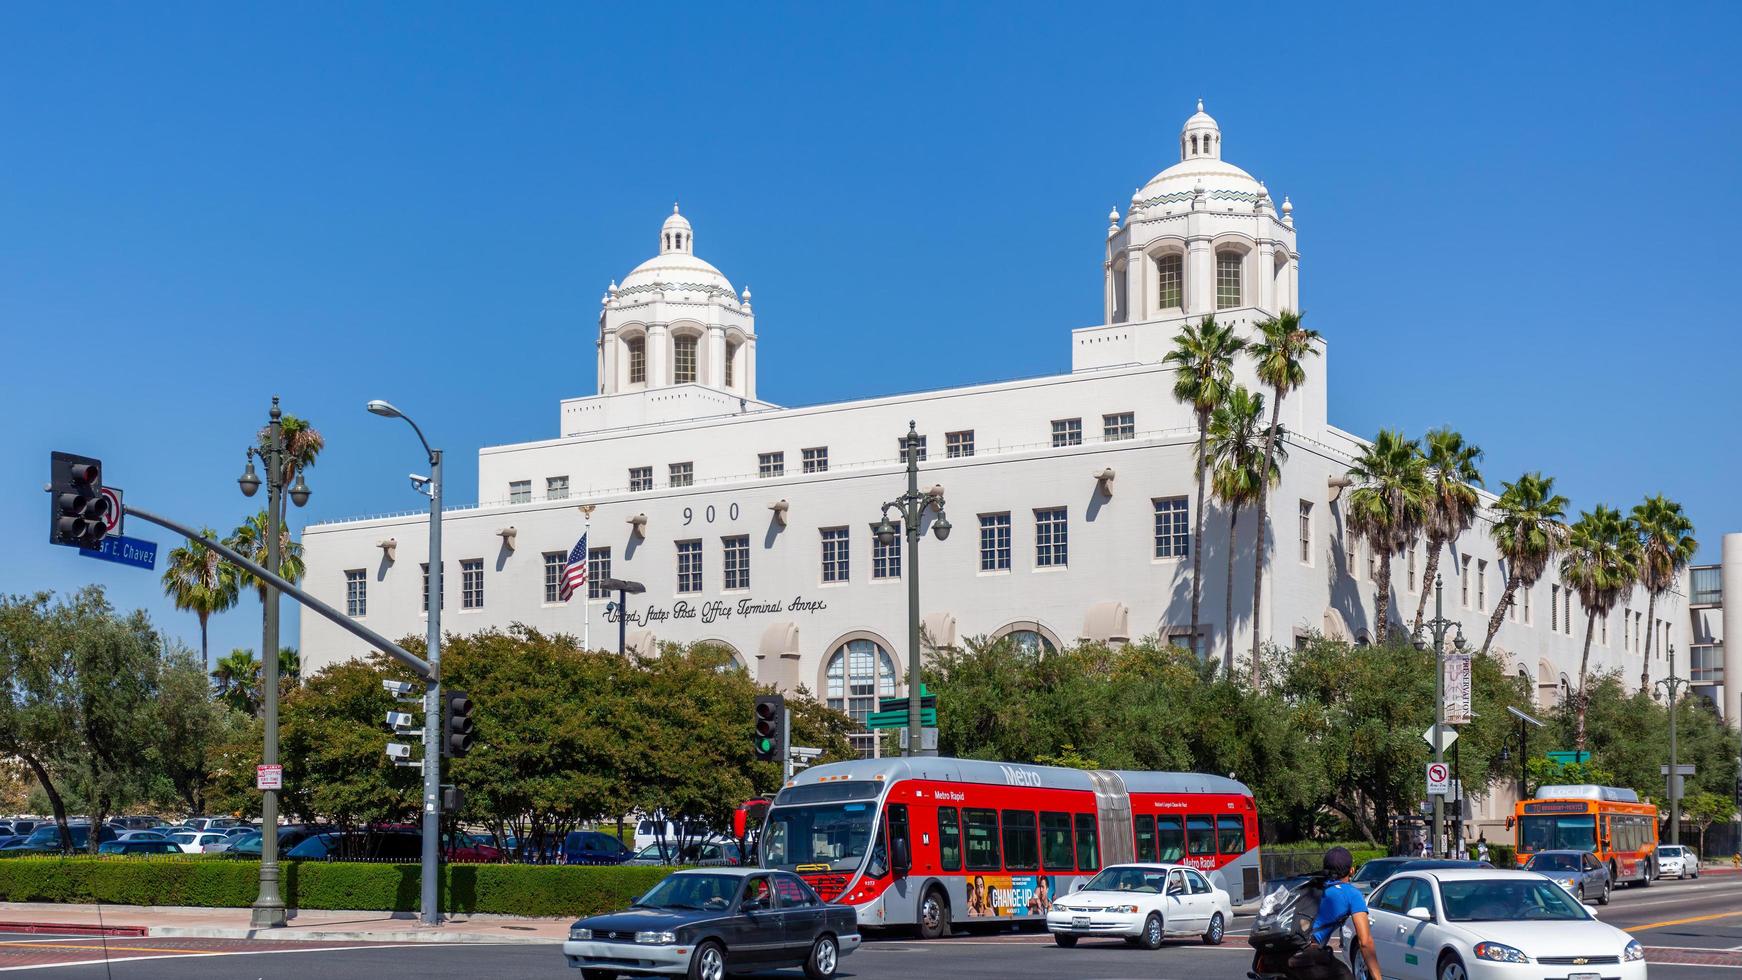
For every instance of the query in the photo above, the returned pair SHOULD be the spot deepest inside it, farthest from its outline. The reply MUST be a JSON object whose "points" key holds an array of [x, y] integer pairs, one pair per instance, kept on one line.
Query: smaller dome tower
{"points": [[1201, 138], [676, 235]]}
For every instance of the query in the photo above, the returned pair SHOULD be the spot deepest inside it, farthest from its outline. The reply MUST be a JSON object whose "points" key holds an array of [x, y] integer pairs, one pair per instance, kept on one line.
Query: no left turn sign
{"points": [[1439, 779]]}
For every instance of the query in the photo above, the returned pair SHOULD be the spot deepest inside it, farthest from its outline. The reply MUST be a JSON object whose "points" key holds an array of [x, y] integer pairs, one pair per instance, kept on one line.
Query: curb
{"points": [[341, 935], [73, 929]]}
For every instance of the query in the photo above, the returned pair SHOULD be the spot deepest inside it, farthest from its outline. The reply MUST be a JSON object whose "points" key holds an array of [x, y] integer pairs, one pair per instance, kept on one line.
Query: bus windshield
{"points": [[1558, 833], [831, 835]]}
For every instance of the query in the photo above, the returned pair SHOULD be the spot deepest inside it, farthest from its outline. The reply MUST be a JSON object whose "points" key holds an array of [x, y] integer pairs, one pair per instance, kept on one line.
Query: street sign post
{"points": [[1439, 779], [269, 777], [125, 551]]}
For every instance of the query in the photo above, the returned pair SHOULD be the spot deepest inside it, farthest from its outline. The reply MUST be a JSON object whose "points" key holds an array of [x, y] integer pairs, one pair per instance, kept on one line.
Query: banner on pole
{"points": [[1457, 687]]}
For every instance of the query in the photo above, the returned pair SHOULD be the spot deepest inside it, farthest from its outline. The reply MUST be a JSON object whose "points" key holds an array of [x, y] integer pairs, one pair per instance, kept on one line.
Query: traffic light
{"points": [[770, 718], [78, 511], [456, 723]]}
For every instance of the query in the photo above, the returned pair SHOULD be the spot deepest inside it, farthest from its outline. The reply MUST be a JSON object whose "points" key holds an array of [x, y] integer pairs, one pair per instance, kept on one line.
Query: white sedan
{"points": [[1142, 904], [1677, 861], [1459, 924], [194, 841]]}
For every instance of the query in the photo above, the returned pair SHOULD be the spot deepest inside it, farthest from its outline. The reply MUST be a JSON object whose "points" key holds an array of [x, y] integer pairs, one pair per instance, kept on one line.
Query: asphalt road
{"points": [[1691, 929]]}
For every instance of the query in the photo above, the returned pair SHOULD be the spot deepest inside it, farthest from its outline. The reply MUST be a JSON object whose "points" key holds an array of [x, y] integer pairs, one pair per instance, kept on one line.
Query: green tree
{"points": [[1387, 505], [1601, 562], [1452, 503], [302, 443], [1528, 532], [1666, 546], [198, 579], [1203, 363], [1704, 809], [1280, 358], [1236, 451], [332, 747], [189, 727], [237, 679]]}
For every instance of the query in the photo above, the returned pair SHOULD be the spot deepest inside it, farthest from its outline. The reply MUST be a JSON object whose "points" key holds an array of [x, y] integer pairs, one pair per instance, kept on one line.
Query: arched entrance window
{"points": [[1032, 644], [859, 672]]}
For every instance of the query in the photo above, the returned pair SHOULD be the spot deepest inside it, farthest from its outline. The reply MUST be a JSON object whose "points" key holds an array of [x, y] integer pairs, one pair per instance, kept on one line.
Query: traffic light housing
{"points": [[78, 511], [456, 723], [769, 739]]}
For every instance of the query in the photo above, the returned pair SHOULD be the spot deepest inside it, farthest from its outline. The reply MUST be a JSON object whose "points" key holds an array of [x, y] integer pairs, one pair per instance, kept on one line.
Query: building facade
{"points": [[1071, 495], [1714, 597]]}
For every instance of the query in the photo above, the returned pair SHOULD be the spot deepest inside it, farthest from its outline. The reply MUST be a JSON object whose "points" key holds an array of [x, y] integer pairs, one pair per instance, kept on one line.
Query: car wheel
{"points": [[1213, 935], [1152, 933], [934, 915], [1064, 940], [820, 965], [708, 962], [1452, 968], [1603, 899]]}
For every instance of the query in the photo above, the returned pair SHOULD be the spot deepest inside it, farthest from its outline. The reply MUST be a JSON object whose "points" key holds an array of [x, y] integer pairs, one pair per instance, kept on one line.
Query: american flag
{"points": [[574, 570]]}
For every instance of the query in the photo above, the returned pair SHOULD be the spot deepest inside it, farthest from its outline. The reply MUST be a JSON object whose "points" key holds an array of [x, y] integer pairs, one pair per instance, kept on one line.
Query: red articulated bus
{"points": [[927, 841]]}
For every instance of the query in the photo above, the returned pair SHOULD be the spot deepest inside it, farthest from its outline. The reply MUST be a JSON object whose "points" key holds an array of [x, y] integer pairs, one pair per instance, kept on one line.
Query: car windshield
{"points": [[831, 836], [652, 852], [691, 891], [1553, 862], [1377, 869], [1150, 881], [1669, 851], [1507, 900], [1559, 833]]}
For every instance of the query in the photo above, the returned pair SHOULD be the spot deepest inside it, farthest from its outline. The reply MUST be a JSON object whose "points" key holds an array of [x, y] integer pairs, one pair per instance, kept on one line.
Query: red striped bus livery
{"points": [[926, 841]]}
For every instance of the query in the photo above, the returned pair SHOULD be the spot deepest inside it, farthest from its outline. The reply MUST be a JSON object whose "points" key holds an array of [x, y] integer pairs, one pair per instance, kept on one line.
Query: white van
{"points": [[645, 833]]}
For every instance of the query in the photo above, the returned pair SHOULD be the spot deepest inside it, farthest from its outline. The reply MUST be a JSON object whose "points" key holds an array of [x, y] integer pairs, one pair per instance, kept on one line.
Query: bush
{"points": [[506, 889]]}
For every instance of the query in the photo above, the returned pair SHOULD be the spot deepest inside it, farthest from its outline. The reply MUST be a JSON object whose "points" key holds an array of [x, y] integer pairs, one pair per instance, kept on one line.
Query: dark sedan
{"points": [[1578, 872], [702, 924]]}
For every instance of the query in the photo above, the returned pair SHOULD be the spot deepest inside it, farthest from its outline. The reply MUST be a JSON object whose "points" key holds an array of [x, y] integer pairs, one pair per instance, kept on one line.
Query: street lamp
{"points": [[911, 507], [268, 910], [432, 711], [1438, 627], [624, 589], [1672, 686]]}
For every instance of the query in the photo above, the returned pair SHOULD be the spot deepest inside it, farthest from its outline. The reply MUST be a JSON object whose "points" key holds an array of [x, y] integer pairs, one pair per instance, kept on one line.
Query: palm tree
{"points": [[1601, 562], [197, 578], [302, 443], [1203, 361], [1236, 452], [238, 680], [1452, 507], [1530, 531], [1387, 506], [1667, 545], [290, 666], [1280, 357], [250, 539]]}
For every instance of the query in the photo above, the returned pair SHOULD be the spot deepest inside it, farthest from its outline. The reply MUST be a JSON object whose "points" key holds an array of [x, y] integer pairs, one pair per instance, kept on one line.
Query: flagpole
{"points": [[586, 609]]}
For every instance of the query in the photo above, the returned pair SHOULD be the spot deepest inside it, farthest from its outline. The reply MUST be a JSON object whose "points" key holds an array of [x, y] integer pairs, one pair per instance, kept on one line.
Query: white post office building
{"points": [[1071, 495]]}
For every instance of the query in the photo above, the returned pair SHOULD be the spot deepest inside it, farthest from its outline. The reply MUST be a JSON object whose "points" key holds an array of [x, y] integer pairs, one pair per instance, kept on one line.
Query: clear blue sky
{"points": [[1515, 219]]}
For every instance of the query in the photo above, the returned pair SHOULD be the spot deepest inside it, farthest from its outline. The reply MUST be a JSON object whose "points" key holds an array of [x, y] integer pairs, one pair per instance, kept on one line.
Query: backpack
{"points": [[1285, 918]]}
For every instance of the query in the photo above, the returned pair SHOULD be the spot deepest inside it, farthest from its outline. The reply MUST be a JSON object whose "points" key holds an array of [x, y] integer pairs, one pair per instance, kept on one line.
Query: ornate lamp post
{"points": [[1437, 628], [1672, 686], [911, 507]]}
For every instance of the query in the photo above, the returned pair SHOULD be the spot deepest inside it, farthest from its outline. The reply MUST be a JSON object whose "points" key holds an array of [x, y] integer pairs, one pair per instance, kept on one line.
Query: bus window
{"points": [[1200, 835], [1573, 832], [1144, 824], [1088, 848], [896, 817], [1170, 839], [1231, 834], [981, 827], [949, 840], [1055, 842], [1020, 851]]}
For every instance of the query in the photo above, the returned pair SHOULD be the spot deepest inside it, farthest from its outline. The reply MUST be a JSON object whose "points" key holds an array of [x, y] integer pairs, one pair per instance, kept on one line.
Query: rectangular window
{"points": [[835, 564], [520, 491], [1020, 850], [770, 465], [425, 567], [1200, 835], [958, 444], [1372, 564], [1119, 426], [1051, 538], [472, 583], [1482, 584], [1351, 554], [1529, 620], [684, 360], [556, 488], [1554, 608], [1412, 568], [1708, 585], [816, 459], [1464, 582], [638, 361], [1173, 528], [1227, 280], [689, 566], [886, 558], [1088, 843], [1567, 610], [553, 575], [949, 840], [681, 474], [1603, 631], [919, 445], [736, 559], [1143, 826], [1067, 432], [598, 570], [981, 828], [1170, 839], [1638, 629], [1169, 270], [1231, 834], [640, 478], [1627, 629], [995, 542], [1055, 842], [1306, 532], [356, 592]]}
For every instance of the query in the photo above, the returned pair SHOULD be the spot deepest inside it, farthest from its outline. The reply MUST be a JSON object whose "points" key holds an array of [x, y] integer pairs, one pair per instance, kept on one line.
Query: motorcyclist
{"points": [[1341, 902]]}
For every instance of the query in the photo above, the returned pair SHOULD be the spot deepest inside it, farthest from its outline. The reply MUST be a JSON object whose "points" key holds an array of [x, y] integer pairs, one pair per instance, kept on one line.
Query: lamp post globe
{"points": [[249, 481], [941, 527]]}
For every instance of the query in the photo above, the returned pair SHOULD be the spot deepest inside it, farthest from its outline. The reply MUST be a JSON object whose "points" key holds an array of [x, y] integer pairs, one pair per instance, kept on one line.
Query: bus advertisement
{"points": [[927, 841], [1608, 821]]}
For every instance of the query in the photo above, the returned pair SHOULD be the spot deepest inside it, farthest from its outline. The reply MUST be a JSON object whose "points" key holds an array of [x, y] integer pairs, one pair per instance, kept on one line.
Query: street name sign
{"points": [[1439, 779], [123, 550]]}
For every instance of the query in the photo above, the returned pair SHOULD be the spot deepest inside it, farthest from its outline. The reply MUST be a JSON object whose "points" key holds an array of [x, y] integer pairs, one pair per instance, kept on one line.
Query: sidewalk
{"points": [[325, 926]]}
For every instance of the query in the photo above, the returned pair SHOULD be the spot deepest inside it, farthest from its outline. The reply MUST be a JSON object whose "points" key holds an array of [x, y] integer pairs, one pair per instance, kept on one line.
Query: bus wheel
{"points": [[934, 915], [1650, 873]]}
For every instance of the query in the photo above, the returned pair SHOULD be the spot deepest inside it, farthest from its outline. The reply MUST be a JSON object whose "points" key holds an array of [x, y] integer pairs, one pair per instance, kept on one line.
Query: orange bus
{"points": [[1607, 821]]}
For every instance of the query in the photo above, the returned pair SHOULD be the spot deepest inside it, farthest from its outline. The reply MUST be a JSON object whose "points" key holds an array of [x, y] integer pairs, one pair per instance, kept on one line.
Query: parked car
{"points": [[139, 847], [249, 845], [195, 841], [45, 839], [24, 826], [140, 835], [1677, 861], [209, 823], [649, 832], [708, 854], [391, 845], [593, 847], [1142, 904], [136, 823], [1579, 872], [702, 924], [1373, 873], [471, 848]]}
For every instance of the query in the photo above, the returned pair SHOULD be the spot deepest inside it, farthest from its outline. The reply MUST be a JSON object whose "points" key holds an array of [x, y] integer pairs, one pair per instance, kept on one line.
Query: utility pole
{"points": [[1437, 628], [912, 507], [1672, 686]]}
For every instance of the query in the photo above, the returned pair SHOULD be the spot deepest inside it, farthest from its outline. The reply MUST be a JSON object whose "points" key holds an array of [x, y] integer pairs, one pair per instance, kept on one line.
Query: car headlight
{"points": [[1131, 909], [1500, 953], [1633, 952], [580, 935], [656, 938], [1567, 883]]}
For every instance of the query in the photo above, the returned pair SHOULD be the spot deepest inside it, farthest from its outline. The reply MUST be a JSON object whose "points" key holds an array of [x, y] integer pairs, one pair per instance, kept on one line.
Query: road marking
{"points": [[1683, 922], [241, 952], [121, 949]]}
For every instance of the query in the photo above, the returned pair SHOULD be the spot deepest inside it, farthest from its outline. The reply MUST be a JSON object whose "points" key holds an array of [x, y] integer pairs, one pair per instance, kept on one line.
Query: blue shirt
{"points": [[1341, 901]]}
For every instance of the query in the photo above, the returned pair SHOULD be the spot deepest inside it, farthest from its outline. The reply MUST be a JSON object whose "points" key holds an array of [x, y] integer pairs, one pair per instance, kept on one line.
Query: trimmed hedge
{"points": [[506, 889]]}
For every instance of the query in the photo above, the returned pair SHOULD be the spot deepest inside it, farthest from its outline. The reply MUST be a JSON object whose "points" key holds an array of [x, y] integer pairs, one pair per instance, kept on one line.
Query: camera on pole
{"points": [[78, 511], [456, 723], [770, 716]]}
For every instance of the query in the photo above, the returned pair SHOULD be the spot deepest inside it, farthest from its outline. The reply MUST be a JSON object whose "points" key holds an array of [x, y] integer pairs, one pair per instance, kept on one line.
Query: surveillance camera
{"points": [[400, 719], [397, 687], [398, 750]]}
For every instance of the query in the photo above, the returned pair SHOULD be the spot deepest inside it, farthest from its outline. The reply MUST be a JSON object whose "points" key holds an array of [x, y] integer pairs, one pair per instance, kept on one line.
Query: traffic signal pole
{"points": [[432, 707]]}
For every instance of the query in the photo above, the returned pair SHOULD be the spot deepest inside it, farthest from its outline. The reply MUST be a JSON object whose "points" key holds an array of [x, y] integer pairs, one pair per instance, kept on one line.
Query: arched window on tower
{"points": [[731, 356], [1194, 146], [684, 360], [637, 360], [1169, 293], [1228, 280]]}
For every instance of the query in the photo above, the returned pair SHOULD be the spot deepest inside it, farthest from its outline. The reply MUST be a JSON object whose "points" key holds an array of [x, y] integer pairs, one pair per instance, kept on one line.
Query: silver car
{"points": [[1677, 861], [1579, 872]]}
